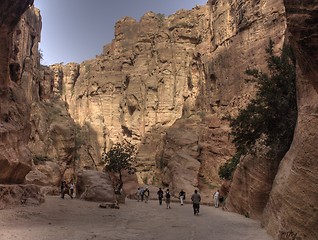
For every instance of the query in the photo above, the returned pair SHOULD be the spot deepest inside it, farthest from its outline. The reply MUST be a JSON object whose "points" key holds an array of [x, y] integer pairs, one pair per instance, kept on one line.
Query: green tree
{"points": [[270, 118], [120, 157]]}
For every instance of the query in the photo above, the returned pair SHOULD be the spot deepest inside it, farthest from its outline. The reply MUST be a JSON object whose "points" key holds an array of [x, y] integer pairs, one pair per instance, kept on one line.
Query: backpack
{"points": [[167, 195]]}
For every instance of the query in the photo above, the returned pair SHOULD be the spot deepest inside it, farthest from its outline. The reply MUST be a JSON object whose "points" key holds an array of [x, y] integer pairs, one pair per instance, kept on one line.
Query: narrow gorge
{"points": [[166, 84]]}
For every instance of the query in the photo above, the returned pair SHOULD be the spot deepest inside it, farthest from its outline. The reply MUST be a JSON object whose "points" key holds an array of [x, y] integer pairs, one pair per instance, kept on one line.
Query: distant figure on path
{"points": [[72, 189], [216, 198], [160, 196], [142, 194], [65, 190], [146, 195], [196, 199], [138, 195], [168, 198], [63, 185], [182, 195]]}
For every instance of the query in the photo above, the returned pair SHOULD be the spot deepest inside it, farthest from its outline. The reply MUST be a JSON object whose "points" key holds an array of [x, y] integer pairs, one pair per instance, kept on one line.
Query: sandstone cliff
{"points": [[18, 60], [291, 212], [15, 158]]}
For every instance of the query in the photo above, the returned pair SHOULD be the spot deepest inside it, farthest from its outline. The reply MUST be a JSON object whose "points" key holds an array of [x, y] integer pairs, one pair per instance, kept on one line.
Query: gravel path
{"points": [[74, 219]]}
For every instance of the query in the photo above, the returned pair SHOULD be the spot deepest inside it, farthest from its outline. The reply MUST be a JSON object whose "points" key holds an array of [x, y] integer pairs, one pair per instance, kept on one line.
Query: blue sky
{"points": [[76, 30]]}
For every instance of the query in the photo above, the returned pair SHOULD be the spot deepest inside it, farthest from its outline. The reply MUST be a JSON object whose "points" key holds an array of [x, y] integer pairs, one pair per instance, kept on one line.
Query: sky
{"points": [[77, 30]]}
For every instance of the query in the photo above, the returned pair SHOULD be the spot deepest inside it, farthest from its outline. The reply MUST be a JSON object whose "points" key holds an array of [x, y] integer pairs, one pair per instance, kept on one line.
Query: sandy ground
{"points": [[74, 219]]}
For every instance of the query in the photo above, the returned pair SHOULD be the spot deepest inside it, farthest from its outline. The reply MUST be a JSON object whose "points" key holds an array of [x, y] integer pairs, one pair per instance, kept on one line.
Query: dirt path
{"points": [[80, 220]]}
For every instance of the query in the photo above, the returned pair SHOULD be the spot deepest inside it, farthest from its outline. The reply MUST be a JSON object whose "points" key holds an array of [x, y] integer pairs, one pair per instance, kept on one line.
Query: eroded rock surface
{"points": [[292, 210], [15, 157]]}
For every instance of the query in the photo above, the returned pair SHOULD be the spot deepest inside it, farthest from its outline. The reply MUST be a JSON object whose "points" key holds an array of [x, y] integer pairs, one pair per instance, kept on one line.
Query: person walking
{"points": [[168, 198], [216, 198], [138, 194], [160, 196], [63, 186], [65, 190], [182, 195], [72, 186], [196, 199], [146, 195], [142, 194]]}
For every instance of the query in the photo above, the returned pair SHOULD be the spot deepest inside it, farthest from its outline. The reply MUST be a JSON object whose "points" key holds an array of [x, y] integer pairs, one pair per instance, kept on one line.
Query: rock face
{"points": [[292, 210], [15, 158]]}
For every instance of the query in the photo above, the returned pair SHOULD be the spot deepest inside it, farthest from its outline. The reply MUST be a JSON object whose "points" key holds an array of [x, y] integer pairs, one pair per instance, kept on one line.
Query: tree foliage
{"points": [[119, 158], [270, 118]]}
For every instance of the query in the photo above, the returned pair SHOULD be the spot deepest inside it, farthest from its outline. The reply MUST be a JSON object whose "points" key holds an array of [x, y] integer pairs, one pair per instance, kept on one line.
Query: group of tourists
{"points": [[143, 195]]}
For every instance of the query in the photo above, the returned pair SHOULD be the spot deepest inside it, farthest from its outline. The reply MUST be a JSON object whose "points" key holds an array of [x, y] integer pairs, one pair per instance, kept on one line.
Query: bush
{"points": [[227, 169], [120, 157]]}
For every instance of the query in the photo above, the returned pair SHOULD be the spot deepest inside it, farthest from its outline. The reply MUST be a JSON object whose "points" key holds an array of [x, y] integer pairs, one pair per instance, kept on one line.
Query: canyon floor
{"points": [[81, 220]]}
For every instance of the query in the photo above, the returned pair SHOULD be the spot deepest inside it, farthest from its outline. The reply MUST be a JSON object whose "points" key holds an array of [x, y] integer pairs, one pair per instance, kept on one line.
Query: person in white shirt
{"points": [[216, 198]]}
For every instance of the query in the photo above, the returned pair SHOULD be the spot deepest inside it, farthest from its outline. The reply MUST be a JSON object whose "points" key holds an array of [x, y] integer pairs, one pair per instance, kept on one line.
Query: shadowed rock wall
{"points": [[15, 129], [15, 158], [292, 212]]}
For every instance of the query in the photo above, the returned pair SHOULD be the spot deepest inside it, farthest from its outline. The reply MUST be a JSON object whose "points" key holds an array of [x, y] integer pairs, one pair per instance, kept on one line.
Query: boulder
{"points": [[94, 186]]}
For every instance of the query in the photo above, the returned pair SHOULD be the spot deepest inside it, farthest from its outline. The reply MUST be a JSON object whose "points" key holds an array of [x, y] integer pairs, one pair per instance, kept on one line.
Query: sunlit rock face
{"points": [[292, 208], [15, 158]]}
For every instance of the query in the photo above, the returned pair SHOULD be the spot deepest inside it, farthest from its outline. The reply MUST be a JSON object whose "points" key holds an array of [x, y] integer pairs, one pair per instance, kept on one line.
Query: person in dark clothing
{"points": [[168, 198], [182, 195], [160, 196], [196, 198], [63, 186], [146, 195]]}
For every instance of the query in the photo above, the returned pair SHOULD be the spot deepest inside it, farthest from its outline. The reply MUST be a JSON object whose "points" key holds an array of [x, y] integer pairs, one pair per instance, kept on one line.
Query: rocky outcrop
{"points": [[16, 195], [94, 186], [291, 212]]}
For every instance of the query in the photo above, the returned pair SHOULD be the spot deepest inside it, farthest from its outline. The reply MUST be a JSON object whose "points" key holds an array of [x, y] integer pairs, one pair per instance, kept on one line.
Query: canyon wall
{"points": [[291, 212], [189, 67], [18, 60], [165, 84], [15, 157]]}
